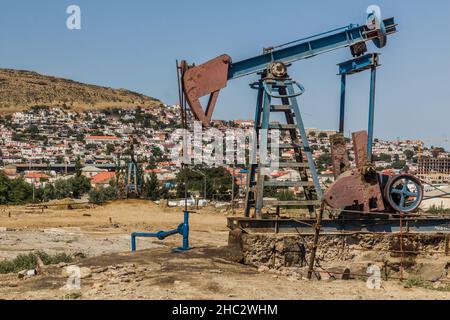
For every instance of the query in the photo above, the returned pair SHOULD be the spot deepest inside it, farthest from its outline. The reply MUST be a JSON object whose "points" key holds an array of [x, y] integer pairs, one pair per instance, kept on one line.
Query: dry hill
{"points": [[20, 90]]}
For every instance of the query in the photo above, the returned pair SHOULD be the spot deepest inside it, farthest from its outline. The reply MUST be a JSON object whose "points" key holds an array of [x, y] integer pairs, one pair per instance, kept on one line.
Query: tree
{"points": [[151, 188], [158, 154], [78, 167], [20, 192], [384, 157], [4, 188], [409, 154], [324, 161], [80, 137], [399, 165], [164, 193], [33, 131], [151, 163], [49, 192], [110, 148], [80, 185], [63, 189], [100, 196], [218, 181]]}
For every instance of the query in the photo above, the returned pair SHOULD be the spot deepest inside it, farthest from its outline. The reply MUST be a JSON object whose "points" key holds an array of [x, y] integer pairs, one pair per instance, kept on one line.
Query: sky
{"points": [[134, 45]]}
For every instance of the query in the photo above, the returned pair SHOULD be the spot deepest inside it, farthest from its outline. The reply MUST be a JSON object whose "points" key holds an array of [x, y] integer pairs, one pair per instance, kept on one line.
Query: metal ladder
{"points": [[282, 90]]}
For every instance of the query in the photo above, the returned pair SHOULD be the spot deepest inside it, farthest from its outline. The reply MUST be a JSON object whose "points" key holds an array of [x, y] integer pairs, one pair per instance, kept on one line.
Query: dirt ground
{"points": [[111, 271]]}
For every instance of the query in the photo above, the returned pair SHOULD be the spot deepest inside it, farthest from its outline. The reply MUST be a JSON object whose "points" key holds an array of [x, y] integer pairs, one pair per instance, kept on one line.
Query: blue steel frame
{"points": [[366, 62], [352, 35], [182, 229], [262, 121]]}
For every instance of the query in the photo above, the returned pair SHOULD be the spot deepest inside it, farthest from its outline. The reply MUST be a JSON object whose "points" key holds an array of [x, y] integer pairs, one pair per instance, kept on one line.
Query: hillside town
{"points": [[42, 145]]}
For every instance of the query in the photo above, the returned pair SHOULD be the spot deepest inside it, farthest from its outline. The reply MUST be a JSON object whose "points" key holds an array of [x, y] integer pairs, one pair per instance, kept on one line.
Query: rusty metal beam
{"points": [[339, 155], [360, 147]]}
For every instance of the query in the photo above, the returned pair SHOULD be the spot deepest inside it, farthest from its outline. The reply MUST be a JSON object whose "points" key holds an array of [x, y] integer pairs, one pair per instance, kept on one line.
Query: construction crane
{"points": [[275, 84]]}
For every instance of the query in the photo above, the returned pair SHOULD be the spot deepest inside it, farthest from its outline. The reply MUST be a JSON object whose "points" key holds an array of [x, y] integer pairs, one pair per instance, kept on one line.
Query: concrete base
{"points": [[341, 254]]}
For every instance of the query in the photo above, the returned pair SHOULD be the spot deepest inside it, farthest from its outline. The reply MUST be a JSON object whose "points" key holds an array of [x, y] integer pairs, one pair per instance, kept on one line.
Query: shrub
{"points": [[102, 196], [28, 261]]}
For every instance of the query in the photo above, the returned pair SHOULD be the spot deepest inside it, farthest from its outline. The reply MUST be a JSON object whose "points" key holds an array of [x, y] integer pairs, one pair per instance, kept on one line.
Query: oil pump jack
{"points": [[278, 93]]}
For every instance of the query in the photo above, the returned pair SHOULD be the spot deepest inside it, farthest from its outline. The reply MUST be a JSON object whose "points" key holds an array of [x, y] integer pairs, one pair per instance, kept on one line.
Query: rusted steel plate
{"points": [[207, 78], [360, 147], [339, 156], [352, 190]]}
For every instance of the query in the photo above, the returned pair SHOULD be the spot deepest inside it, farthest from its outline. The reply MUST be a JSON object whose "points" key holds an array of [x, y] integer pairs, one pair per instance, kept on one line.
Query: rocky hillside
{"points": [[20, 90]]}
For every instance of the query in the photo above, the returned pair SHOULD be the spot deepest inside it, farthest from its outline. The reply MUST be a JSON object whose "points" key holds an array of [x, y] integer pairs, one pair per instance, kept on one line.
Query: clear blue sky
{"points": [[133, 44]]}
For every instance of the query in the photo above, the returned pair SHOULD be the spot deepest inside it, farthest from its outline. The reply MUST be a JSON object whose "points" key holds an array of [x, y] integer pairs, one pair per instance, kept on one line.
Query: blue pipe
{"points": [[182, 229]]}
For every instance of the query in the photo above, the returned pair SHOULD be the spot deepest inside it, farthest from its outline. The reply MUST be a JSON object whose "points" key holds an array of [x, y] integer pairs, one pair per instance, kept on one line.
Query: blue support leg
{"points": [[185, 233], [133, 242], [371, 112], [342, 109], [304, 137]]}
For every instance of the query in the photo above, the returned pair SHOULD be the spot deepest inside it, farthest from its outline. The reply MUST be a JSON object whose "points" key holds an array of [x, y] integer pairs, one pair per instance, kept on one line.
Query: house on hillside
{"points": [[38, 179], [101, 139], [90, 171], [103, 180]]}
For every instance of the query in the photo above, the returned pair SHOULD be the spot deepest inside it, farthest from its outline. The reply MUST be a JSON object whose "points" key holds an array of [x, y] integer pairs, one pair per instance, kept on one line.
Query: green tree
{"points": [[80, 137], [151, 188], [399, 165], [110, 148], [218, 181], [78, 167], [33, 131], [324, 161], [409, 154], [4, 188], [80, 186], [49, 192], [63, 189], [384, 157], [21, 192], [101, 196]]}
